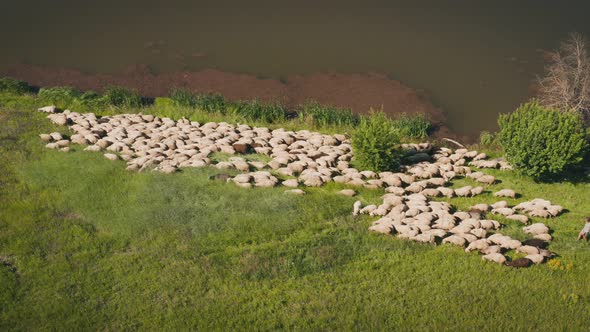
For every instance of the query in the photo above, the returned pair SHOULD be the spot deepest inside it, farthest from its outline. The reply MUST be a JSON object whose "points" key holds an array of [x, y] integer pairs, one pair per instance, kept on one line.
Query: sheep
{"points": [[486, 179], [505, 193], [536, 229], [476, 191], [520, 262], [356, 208], [468, 237], [381, 228], [528, 249], [463, 191], [511, 244], [477, 245], [499, 204], [447, 192], [489, 224], [495, 249], [519, 217], [544, 237], [454, 239], [536, 258], [480, 207], [503, 211], [540, 213], [554, 210], [479, 232], [368, 209], [495, 257]]}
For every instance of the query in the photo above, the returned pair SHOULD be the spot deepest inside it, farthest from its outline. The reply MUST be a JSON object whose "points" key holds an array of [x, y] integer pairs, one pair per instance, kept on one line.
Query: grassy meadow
{"points": [[87, 245]]}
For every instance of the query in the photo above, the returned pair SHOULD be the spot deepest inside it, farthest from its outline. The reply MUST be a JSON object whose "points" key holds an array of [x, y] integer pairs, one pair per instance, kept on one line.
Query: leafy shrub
{"points": [[322, 115], [542, 142], [11, 85], [121, 97], [375, 143], [254, 110], [486, 138], [62, 96], [412, 125]]}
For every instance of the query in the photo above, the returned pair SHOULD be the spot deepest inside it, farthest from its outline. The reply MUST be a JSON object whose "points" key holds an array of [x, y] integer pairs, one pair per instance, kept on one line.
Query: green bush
{"points": [[121, 97], [376, 143], [412, 125], [486, 138], [10, 85], [61, 96], [542, 142], [322, 115]]}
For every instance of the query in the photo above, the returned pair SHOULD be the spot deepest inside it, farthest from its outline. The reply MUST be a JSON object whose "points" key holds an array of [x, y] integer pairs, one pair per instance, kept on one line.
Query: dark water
{"points": [[475, 58]]}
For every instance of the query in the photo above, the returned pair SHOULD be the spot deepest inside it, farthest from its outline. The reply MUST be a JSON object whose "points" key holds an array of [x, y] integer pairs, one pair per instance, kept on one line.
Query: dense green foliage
{"points": [[121, 97], [542, 142], [376, 143], [87, 245], [10, 85], [61, 96], [412, 125], [327, 115]]}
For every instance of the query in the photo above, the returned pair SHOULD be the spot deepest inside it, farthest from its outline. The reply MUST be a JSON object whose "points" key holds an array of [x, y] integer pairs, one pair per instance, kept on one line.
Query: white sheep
{"points": [[356, 208], [495, 257], [505, 193], [536, 229]]}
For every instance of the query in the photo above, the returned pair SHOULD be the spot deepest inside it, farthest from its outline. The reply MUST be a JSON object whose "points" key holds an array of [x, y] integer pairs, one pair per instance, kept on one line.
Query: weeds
{"points": [[412, 125], [321, 115]]}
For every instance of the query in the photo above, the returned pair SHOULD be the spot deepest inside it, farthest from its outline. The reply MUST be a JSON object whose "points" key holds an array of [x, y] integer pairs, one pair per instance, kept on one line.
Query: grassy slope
{"points": [[88, 245]]}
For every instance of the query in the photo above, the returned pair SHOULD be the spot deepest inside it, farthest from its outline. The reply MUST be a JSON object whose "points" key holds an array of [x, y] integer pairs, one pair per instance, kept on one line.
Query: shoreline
{"points": [[360, 92]]}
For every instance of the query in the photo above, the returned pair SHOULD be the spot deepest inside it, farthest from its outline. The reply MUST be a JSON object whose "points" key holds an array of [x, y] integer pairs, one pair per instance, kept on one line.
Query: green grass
{"points": [[87, 245], [412, 125], [323, 115]]}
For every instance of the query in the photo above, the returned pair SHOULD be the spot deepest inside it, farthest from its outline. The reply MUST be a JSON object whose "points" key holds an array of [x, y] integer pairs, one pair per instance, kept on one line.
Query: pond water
{"points": [[474, 59]]}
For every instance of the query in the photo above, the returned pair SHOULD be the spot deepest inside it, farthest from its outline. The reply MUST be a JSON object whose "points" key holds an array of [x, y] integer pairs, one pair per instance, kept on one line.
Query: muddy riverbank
{"points": [[360, 92]]}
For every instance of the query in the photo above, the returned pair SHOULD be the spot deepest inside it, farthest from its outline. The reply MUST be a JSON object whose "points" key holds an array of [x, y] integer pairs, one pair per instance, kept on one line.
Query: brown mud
{"points": [[360, 92]]}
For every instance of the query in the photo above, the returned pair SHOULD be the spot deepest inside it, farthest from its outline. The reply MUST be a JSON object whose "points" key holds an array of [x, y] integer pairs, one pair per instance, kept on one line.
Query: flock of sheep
{"points": [[311, 159]]}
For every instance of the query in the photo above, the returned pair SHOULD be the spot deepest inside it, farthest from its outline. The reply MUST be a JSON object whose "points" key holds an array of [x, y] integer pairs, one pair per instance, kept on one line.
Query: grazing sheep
{"points": [[356, 208], [536, 229], [477, 245], [540, 213], [480, 207], [537, 243], [479, 232], [495, 257], [503, 211], [468, 237], [111, 156], [519, 217], [476, 191], [505, 193], [368, 209], [544, 237], [447, 192], [554, 210], [495, 249], [499, 205], [381, 228], [520, 262], [486, 179], [536, 258], [454, 239], [528, 249], [463, 191]]}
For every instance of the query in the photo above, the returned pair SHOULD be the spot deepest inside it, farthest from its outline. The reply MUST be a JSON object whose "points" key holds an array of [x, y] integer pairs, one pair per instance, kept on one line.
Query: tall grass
{"points": [[121, 97], [61, 96], [412, 125], [323, 115]]}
